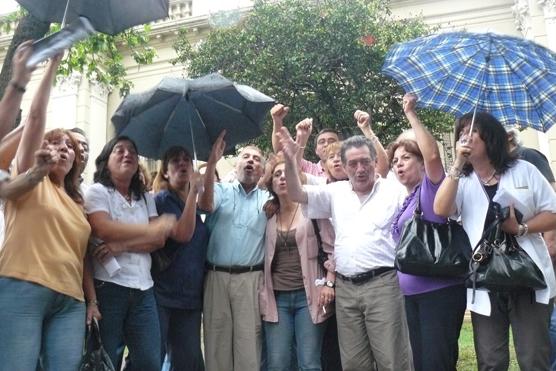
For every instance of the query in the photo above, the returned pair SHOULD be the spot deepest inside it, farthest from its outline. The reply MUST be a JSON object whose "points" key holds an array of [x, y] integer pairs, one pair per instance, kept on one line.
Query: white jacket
{"points": [[530, 190]]}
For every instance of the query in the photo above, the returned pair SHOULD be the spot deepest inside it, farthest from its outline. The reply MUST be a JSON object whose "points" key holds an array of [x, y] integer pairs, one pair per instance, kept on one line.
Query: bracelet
{"points": [[17, 87], [455, 173], [92, 302]]}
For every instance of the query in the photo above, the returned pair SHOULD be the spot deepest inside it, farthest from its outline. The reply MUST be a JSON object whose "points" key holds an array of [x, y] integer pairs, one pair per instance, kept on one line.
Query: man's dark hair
{"points": [[357, 141], [327, 130]]}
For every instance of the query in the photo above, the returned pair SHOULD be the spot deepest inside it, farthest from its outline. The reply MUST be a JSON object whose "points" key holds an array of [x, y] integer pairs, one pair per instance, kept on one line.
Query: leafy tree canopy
{"points": [[321, 58]]}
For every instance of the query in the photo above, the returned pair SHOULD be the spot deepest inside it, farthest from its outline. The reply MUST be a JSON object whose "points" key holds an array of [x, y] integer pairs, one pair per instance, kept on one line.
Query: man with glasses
{"points": [[372, 325], [236, 221]]}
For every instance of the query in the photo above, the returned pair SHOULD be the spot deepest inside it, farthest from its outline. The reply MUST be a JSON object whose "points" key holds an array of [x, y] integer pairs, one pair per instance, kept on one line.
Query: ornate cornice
{"points": [[549, 9], [69, 84], [522, 16]]}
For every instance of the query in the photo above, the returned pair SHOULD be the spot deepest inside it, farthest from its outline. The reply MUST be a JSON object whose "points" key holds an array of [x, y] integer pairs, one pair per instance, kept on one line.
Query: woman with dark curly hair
{"points": [[123, 216], [484, 169]]}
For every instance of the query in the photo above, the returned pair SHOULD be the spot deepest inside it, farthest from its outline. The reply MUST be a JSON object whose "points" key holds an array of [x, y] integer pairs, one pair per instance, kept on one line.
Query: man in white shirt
{"points": [[372, 325]]}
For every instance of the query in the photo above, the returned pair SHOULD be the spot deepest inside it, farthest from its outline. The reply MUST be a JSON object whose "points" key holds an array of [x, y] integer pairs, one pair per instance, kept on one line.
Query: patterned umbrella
{"points": [[512, 78]]}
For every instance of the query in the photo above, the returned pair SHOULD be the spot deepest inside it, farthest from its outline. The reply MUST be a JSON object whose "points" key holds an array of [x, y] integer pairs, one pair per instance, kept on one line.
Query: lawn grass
{"points": [[467, 360]]}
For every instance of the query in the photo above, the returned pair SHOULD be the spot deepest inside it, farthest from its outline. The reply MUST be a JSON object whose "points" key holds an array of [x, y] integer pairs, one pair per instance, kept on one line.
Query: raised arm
{"points": [[11, 101], [206, 197], [33, 132], [8, 147], [290, 148], [185, 227], [426, 142], [278, 112], [444, 201], [364, 123], [303, 131]]}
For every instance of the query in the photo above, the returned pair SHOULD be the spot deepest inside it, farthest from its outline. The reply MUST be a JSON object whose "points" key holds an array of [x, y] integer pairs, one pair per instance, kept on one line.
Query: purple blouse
{"points": [[410, 284]]}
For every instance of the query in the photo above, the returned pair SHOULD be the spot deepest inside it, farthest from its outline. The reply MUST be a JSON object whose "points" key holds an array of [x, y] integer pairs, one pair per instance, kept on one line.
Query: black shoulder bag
{"points": [[433, 249], [499, 263]]}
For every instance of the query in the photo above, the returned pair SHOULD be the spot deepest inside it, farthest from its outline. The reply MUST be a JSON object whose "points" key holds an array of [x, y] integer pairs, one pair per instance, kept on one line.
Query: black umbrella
{"points": [[192, 113], [107, 16]]}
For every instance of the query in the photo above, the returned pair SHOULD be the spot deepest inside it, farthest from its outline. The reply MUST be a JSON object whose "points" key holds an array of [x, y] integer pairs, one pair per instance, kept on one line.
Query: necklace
{"points": [[487, 181], [284, 233]]}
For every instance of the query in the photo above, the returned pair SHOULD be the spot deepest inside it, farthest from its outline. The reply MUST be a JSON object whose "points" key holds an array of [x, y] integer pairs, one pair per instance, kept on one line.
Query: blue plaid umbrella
{"points": [[458, 72]]}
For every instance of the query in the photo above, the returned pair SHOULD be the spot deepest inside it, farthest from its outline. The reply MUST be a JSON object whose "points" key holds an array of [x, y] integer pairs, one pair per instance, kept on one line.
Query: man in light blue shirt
{"points": [[236, 221]]}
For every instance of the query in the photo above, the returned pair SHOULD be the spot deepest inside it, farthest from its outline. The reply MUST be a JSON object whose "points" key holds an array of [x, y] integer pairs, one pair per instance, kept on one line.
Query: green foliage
{"points": [[99, 57], [321, 58]]}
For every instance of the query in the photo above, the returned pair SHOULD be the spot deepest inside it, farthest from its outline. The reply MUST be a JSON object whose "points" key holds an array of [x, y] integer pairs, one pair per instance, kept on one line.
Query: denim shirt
{"points": [[181, 284], [237, 226]]}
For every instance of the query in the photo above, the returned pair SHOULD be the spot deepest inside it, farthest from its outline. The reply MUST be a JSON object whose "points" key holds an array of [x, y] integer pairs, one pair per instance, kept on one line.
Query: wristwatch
{"points": [[522, 230], [330, 284]]}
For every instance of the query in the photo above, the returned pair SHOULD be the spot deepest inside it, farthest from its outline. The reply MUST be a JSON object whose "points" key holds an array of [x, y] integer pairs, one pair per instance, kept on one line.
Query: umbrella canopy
{"points": [[511, 78], [192, 113], [107, 16]]}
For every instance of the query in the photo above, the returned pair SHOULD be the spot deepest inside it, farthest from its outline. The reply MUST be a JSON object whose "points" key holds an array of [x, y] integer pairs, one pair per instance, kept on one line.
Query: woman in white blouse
{"points": [[482, 171], [123, 216]]}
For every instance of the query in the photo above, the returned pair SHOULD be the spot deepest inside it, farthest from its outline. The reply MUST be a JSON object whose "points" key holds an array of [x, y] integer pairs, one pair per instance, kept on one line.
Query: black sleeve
{"points": [[539, 160]]}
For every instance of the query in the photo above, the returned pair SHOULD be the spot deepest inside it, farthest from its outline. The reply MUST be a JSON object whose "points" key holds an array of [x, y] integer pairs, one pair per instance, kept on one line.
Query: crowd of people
{"points": [[289, 265]]}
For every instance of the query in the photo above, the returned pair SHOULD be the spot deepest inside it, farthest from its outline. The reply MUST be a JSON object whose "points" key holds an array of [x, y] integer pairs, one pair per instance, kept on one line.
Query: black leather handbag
{"points": [[433, 249], [95, 357], [499, 263]]}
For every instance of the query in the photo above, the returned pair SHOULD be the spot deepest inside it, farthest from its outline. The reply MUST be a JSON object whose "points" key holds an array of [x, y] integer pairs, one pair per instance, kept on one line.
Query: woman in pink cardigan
{"points": [[292, 305]]}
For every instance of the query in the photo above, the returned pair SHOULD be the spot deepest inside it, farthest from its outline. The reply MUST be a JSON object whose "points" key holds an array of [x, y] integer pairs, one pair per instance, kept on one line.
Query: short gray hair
{"points": [[357, 141]]}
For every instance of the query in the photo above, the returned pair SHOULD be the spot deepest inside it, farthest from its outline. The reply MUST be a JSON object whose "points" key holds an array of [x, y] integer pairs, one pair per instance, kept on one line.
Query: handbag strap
{"points": [[478, 257], [321, 253], [418, 210]]}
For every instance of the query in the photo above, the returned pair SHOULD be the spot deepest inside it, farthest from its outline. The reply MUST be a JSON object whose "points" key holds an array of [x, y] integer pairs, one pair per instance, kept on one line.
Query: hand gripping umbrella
{"points": [[192, 113]]}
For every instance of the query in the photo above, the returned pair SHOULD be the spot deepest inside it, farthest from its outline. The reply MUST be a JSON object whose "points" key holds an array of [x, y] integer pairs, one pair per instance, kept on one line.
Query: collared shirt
{"points": [[531, 194], [135, 268], [363, 240], [237, 226], [312, 168]]}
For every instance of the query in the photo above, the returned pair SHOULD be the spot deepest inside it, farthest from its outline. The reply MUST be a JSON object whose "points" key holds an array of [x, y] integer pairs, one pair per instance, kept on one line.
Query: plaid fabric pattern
{"points": [[512, 78]]}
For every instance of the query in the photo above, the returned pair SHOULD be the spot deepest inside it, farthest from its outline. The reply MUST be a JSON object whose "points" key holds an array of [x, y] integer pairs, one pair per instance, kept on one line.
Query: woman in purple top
{"points": [[434, 306]]}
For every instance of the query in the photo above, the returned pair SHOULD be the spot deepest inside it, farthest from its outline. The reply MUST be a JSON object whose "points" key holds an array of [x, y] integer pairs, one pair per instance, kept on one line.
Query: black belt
{"points": [[361, 278], [235, 269]]}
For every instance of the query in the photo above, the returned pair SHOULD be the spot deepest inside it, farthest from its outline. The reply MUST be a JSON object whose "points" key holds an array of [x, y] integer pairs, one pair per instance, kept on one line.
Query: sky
{"points": [[7, 6]]}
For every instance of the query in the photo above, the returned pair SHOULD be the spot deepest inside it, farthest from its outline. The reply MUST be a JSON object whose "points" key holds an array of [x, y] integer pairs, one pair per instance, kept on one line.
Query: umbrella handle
{"points": [[65, 14]]}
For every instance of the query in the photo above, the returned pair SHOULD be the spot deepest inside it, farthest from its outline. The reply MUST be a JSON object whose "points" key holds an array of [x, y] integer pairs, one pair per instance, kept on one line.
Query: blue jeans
{"points": [[180, 331], [129, 317], [39, 323], [434, 319], [294, 321], [552, 333]]}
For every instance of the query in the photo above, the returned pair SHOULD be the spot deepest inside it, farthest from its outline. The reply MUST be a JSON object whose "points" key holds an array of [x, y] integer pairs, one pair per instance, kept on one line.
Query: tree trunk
{"points": [[28, 28]]}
